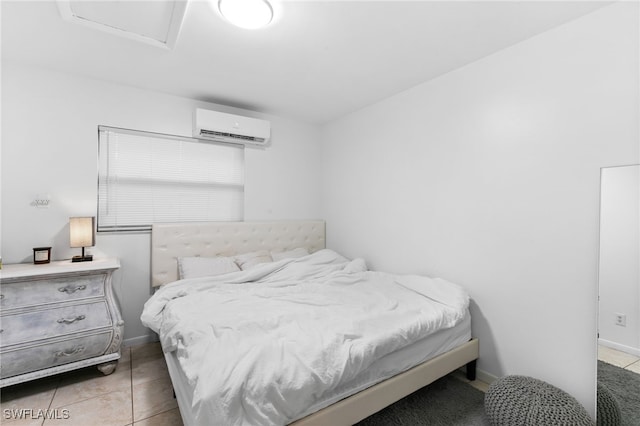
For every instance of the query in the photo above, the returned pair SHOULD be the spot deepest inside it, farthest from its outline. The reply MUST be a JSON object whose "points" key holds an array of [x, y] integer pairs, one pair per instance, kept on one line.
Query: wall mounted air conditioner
{"points": [[230, 128]]}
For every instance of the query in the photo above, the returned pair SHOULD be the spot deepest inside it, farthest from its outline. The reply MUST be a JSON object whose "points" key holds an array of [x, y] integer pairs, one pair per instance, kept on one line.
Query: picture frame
{"points": [[41, 255]]}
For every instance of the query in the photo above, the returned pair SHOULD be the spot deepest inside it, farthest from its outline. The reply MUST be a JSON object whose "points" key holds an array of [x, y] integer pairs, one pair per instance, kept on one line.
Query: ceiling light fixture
{"points": [[249, 14]]}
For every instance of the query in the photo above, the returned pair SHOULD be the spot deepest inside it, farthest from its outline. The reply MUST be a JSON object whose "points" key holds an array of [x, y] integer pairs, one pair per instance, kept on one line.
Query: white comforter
{"points": [[261, 346]]}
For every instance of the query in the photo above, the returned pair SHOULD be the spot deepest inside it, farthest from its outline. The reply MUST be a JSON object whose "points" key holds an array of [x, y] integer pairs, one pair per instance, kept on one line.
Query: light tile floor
{"points": [[138, 393], [478, 384], [619, 358]]}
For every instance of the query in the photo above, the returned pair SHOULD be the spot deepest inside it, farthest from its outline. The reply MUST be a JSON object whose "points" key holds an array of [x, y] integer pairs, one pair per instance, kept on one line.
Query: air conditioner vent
{"points": [[213, 133]]}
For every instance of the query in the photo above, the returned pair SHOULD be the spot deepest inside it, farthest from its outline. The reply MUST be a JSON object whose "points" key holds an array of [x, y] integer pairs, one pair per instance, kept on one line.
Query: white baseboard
{"points": [[619, 347], [483, 376], [140, 340]]}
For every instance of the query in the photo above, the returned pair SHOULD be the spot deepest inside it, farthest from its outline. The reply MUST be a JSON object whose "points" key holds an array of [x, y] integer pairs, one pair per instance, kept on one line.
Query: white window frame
{"points": [[175, 182]]}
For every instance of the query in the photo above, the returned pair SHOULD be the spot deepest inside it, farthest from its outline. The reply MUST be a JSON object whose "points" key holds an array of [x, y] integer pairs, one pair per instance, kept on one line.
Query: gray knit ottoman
{"points": [[525, 401], [608, 408]]}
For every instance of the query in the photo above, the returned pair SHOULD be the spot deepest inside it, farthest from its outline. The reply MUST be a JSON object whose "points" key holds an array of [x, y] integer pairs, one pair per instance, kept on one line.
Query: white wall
{"points": [[620, 258], [489, 176], [49, 145]]}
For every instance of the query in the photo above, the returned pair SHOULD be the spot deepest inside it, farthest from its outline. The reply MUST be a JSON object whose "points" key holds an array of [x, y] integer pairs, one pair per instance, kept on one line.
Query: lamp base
{"points": [[85, 258]]}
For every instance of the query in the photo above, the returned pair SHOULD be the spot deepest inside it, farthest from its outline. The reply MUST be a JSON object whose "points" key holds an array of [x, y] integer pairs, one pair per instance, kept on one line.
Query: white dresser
{"points": [[58, 317]]}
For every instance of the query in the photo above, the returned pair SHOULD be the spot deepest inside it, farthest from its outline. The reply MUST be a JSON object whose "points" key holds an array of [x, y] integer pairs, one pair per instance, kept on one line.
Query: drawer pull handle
{"points": [[72, 289], [70, 352], [71, 320]]}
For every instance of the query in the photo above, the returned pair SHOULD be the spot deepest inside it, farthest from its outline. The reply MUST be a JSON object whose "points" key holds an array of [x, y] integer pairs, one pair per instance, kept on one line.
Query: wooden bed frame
{"points": [[169, 241]]}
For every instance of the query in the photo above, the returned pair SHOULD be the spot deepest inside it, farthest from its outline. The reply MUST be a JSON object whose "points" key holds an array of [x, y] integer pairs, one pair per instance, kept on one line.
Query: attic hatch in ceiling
{"points": [[153, 22]]}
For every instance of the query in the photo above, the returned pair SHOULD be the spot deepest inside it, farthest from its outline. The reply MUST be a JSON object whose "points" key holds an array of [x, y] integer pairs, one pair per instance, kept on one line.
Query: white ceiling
{"points": [[317, 61], [153, 22]]}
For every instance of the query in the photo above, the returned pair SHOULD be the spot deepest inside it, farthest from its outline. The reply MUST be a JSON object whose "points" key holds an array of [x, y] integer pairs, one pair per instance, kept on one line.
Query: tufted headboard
{"points": [[172, 240]]}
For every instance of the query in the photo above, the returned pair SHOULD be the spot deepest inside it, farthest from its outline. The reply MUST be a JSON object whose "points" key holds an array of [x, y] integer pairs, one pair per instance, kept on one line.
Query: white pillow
{"points": [[194, 267], [291, 254], [248, 260]]}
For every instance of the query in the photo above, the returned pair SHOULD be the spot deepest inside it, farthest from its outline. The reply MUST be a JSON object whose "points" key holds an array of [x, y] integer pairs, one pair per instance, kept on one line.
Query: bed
{"points": [[373, 384]]}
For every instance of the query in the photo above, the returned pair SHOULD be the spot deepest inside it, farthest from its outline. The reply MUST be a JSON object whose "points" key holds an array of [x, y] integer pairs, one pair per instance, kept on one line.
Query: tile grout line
{"points": [[634, 362], [630, 363], [52, 398], [131, 382], [58, 383]]}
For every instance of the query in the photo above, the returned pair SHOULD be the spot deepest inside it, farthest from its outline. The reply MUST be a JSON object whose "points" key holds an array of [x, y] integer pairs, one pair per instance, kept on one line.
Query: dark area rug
{"points": [[625, 387], [446, 402]]}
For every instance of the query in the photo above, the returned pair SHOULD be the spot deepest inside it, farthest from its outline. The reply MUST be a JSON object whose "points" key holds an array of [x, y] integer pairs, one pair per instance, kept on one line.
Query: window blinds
{"points": [[146, 178]]}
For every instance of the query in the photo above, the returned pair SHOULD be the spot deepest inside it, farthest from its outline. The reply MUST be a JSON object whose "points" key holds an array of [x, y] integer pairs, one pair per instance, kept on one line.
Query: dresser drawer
{"points": [[50, 355], [34, 292], [45, 324]]}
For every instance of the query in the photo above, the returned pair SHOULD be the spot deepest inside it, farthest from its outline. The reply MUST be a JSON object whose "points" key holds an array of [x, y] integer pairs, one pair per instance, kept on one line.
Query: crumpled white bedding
{"points": [[260, 346]]}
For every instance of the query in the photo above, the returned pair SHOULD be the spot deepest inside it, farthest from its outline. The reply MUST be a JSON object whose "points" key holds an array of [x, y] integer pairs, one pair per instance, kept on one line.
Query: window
{"points": [[145, 178]]}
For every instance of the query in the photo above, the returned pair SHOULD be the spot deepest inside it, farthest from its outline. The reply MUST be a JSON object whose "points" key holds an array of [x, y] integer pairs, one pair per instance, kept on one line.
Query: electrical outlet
{"points": [[621, 319]]}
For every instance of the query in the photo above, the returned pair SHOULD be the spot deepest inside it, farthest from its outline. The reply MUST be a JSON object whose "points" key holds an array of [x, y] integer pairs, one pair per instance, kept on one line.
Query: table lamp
{"points": [[81, 235]]}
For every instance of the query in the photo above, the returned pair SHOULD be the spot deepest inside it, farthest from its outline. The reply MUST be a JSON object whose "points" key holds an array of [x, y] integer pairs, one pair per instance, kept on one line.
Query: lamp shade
{"points": [[81, 231]]}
